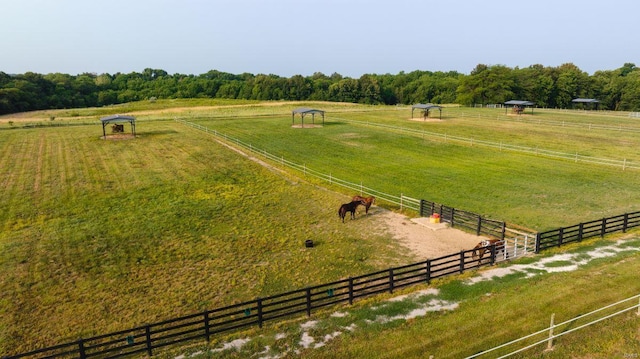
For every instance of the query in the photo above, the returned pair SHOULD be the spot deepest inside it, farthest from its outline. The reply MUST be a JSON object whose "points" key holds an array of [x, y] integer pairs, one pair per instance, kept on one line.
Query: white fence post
{"points": [[550, 342]]}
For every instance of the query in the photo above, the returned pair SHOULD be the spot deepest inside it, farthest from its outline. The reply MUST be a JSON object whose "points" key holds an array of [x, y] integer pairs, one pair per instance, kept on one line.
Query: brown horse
{"points": [[366, 201], [485, 245], [349, 207]]}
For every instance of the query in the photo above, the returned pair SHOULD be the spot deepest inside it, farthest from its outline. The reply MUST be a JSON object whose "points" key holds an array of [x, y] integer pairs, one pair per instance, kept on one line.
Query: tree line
{"points": [[549, 87]]}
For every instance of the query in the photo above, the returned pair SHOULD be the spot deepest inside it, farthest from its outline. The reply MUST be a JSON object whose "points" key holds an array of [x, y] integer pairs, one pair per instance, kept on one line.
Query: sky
{"points": [[302, 37]]}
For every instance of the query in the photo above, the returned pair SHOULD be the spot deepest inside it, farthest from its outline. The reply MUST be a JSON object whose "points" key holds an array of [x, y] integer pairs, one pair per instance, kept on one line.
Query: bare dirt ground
{"points": [[425, 240]]}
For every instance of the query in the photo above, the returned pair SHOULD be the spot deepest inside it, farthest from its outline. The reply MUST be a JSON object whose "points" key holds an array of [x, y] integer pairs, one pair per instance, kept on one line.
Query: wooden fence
{"points": [[464, 219], [577, 233], [201, 326]]}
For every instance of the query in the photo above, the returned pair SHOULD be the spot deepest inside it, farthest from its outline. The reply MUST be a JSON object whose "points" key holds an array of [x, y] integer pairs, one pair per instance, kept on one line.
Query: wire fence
{"points": [[502, 146], [547, 335]]}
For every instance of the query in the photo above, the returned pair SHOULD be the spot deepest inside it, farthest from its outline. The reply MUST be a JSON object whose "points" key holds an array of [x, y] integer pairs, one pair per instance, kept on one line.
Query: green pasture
{"points": [[381, 148], [102, 235]]}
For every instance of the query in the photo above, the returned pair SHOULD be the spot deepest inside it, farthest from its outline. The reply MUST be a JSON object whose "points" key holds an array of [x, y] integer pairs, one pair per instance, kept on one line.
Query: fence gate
{"points": [[519, 243]]}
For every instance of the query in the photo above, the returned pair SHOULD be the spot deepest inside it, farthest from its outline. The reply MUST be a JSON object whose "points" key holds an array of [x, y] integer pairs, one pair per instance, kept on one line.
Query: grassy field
{"points": [[132, 232], [538, 192]]}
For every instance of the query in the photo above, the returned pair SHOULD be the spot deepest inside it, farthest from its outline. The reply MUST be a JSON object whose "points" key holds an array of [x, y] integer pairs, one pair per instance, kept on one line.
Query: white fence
{"points": [[403, 201], [518, 243], [575, 157], [547, 335]]}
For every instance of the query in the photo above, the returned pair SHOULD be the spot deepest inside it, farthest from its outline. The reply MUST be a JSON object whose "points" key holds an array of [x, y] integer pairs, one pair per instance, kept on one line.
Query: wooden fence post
{"points": [[308, 302], [560, 235], [580, 232], [147, 330], [551, 326], [260, 312], [604, 228], [429, 271], [81, 350], [462, 261], [625, 223], [207, 327], [350, 290], [391, 280], [537, 246], [479, 226]]}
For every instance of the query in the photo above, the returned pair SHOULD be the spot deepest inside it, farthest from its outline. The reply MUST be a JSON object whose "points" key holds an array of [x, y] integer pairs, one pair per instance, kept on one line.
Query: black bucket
{"points": [[308, 243]]}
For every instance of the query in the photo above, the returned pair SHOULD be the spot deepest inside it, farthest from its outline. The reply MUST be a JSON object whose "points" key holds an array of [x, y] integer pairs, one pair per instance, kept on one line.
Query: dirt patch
{"points": [[306, 126], [118, 137], [421, 119], [424, 240]]}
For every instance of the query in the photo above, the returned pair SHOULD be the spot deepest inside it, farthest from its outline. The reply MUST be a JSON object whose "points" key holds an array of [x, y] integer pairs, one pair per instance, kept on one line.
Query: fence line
{"points": [[464, 219], [575, 157], [402, 200], [550, 330], [576, 233], [201, 326]]}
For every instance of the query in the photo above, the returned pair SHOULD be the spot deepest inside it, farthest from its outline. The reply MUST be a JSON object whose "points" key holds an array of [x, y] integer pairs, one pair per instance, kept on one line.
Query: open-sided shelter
{"points": [[425, 109], [116, 121], [586, 101], [518, 106], [303, 111]]}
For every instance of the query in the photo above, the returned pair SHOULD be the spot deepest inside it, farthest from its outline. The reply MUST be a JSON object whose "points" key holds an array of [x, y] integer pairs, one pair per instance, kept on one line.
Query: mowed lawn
{"points": [[103, 235]]}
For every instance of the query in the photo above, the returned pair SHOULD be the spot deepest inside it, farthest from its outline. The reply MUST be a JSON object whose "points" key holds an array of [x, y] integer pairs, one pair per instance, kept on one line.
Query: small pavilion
{"points": [[518, 106], [303, 111], [116, 122], [425, 109], [586, 102]]}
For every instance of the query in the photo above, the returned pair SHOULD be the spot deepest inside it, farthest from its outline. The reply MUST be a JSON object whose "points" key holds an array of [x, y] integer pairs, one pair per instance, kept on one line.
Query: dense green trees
{"points": [[553, 87]]}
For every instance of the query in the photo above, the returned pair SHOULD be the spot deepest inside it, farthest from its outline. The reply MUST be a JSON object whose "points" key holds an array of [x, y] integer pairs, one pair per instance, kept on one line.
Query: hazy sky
{"points": [[290, 37]]}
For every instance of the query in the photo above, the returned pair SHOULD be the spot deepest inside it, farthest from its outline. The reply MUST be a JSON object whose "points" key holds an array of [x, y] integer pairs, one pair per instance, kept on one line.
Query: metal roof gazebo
{"points": [[518, 105], [305, 111], [425, 108], [591, 101], [115, 120]]}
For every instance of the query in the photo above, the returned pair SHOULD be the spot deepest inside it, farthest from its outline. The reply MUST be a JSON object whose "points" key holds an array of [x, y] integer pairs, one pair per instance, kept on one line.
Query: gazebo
{"points": [[303, 111], [425, 108], [117, 120], [588, 101], [518, 106]]}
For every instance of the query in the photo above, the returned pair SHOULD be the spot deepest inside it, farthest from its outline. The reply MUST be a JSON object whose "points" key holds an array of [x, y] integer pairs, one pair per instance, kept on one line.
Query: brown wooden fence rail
{"points": [[577, 233], [201, 326], [464, 219]]}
